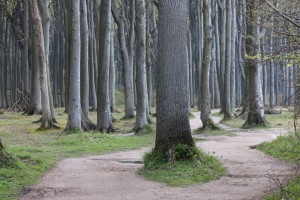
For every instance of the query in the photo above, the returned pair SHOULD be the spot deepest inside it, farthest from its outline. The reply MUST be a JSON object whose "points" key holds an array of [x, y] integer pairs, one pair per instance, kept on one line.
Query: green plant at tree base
{"points": [[193, 167]]}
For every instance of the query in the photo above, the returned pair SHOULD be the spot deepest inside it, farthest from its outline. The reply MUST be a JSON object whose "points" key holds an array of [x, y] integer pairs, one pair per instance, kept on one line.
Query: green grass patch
{"points": [[215, 132], [183, 172], [285, 148], [290, 191], [284, 120]]}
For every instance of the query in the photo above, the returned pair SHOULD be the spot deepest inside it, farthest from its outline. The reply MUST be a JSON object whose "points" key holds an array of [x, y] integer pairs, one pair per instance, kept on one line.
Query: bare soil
{"points": [[250, 173]]}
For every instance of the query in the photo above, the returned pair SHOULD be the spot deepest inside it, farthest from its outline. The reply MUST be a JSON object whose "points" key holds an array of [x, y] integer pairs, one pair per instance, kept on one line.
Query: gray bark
{"points": [[74, 110], [141, 111], [104, 123], [84, 68], [206, 117], [173, 127]]}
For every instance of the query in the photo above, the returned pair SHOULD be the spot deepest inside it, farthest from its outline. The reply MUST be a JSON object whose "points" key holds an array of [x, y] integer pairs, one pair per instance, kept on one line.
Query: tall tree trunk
{"points": [[47, 121], [141, 112], [228, 64], [25, 67], [127, 67], [74, 112], [206, 117], [104, 122], [256, 108], [173, 126], [84, 68]]}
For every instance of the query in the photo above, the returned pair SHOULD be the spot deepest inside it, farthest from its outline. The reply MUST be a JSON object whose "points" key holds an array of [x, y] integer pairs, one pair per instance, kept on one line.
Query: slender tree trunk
{"points": [[206, 117], [141, 80], [74, 112], [104, 122], [84, 68]]}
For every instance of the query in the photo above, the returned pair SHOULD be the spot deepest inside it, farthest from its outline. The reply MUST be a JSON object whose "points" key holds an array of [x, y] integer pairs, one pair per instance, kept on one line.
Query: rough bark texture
{"points": [[104, 122], [256, 109], [74, 112], [173, 126]]}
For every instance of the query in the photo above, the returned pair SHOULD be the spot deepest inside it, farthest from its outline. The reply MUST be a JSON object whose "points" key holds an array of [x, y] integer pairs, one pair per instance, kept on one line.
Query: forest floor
{"points": [[250, 173]]}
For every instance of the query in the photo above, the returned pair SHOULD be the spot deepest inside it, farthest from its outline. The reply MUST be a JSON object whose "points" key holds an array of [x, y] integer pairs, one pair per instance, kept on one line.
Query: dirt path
{"points": [[113, 176]]}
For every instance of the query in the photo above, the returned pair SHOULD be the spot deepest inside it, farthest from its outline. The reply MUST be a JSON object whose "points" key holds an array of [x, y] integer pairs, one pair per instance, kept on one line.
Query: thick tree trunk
{"points": [[104, 122], [173, 128]]}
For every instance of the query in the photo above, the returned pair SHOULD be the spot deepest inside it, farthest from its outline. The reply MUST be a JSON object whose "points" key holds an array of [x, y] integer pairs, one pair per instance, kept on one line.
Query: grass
{"points": [[285, 148], [216, 132], [283, 120], [34, 152], [183, 172]]}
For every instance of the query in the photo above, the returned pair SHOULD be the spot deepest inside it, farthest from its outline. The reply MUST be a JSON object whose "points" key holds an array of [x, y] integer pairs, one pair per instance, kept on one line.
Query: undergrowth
{"points": [[285, 148]]}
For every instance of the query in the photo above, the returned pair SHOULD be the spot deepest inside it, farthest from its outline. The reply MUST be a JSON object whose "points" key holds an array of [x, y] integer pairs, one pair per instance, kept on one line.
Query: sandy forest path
{"points": [[113, 176]]}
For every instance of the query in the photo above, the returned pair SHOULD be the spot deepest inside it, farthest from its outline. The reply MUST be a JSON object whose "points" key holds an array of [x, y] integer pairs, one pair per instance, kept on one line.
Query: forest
{"points": [[153, 99]]}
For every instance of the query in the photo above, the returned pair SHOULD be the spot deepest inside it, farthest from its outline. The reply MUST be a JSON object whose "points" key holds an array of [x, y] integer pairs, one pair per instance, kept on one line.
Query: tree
{"points": [[47, 120], [256, 108], [206, 117], [141, 85], [127, 65], [172, 128], [74, 110], [104, 122]]}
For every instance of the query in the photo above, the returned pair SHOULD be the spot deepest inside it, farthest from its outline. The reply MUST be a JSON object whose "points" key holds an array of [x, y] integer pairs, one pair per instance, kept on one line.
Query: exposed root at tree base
{"points": [[48, 125], [88, 125]]}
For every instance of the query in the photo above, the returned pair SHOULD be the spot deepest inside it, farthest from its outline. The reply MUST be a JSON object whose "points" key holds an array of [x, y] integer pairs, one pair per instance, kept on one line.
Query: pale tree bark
{"points": [[47, 121], [92, 59], [256, 108], [206, 117], [44, 11], [141, 85], [74, 112], [104, 122], [173, 126], [84, 68], [233, 58], [127, 67]]}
